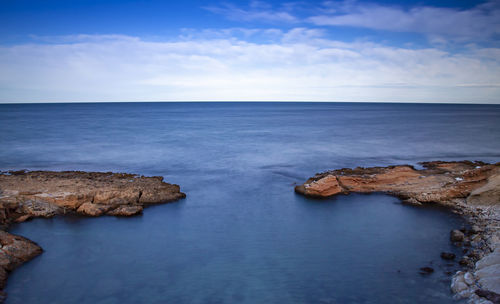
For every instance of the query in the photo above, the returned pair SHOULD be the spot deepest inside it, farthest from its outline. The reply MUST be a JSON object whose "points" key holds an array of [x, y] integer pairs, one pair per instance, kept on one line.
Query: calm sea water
{"points": [[242, 235]]}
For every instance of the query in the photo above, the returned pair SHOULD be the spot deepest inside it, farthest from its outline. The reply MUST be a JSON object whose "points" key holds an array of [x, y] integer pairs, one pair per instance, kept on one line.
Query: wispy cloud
{"points": [[299, 64], [439, 24], [255, 11], [478, 23]]}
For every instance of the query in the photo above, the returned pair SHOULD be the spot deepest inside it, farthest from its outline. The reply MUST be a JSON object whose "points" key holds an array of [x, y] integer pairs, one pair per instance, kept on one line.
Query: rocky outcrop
{"points": [[24, 195], [440, 182], [470, 188], [14, 251], [44, 194]]}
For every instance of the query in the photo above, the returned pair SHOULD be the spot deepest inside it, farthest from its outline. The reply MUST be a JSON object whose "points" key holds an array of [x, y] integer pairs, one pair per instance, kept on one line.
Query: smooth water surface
{"points": [[242, 235]]}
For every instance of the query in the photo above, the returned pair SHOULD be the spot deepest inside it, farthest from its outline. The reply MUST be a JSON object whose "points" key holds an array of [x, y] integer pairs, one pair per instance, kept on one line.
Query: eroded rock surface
{"points": [[440, 182], [24, 195], [470, 188], [45, 194]]}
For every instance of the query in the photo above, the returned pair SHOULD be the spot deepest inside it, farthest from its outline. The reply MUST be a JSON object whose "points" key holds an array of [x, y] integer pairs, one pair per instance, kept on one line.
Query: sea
{"points": [[242, 235]]}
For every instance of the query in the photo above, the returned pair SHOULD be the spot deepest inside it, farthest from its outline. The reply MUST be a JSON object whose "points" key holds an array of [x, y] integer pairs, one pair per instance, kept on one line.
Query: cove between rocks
{"points": [[25, 195], [471, 189]]}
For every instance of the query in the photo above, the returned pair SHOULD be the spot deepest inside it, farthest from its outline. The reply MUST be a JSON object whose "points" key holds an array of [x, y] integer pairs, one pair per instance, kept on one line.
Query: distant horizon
{"points": [[325, 51], [250, 101]]}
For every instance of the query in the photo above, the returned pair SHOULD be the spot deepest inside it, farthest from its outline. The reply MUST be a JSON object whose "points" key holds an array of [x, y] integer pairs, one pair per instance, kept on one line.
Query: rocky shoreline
{"points": [[471, 189], [30, 194]]}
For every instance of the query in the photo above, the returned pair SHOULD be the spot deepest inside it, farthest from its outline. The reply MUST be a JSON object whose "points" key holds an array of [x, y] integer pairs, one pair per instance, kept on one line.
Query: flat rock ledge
{"points": [[30, 194], [469, 188]]}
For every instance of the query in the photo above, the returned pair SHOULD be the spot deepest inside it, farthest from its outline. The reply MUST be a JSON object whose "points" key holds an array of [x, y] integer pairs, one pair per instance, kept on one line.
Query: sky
{"points": [[355, 51]]}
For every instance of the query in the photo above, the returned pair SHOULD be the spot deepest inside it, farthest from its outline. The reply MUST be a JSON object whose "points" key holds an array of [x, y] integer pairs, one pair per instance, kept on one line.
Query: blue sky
{"points": [[388, 51]]}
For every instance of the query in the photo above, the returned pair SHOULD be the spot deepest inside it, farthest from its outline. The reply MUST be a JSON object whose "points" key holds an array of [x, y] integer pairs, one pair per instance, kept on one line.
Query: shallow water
{"points": [[242, 235]]}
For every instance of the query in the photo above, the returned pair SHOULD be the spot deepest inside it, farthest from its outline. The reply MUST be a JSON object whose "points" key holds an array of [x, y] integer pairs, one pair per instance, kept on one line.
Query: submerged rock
{"points": [[457, 236], [466, 261], [426, 270], [447, 255]]}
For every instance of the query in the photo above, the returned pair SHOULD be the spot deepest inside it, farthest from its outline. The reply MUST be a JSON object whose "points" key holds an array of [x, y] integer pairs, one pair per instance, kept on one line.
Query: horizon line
{"points": [[245, 101]]}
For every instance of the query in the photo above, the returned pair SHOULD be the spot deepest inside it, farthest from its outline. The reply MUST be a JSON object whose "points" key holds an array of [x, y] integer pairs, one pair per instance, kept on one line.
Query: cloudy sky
{"points": [[151, 50]]}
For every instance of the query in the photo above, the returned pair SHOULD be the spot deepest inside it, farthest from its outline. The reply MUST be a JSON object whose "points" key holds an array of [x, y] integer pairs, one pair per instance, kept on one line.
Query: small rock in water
{"points": [[456, 236], [465, 261], [447, 255], [426, 270], [475, 255]]}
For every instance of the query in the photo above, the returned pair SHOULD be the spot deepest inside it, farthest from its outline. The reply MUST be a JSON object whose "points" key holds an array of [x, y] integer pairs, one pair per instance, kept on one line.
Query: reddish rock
{"points": [[126, 210], [23, 218], [45, 194], [91, 209], [326, 186], [440, 182], [73, 201], [14, 251]]}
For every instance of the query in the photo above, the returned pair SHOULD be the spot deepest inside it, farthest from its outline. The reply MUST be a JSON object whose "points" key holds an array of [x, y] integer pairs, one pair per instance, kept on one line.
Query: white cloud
{"points": [[440, 24], [256, 11], [298, 65], [478, 23]]}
